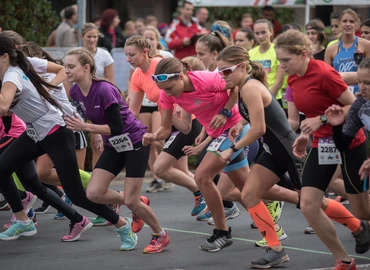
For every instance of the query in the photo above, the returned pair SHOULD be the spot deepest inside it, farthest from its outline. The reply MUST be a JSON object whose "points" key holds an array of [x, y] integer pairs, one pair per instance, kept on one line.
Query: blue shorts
{"points": [[240, 158]]}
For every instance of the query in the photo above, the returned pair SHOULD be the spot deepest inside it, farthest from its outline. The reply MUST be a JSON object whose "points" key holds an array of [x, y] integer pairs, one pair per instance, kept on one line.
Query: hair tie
{"points": [[213, 33]]}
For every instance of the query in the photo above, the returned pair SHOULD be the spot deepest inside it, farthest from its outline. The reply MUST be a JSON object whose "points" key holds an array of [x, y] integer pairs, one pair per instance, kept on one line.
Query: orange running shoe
{"points": [[339, 265], [157, 244], [137, 223]]}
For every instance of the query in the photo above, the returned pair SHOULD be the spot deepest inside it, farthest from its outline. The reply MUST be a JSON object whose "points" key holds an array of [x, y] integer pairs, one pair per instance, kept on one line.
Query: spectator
{"points": [[365, 29], [224, 28], [245, 22], [151, 20], [335, 28], [97, 21], [268, 13], [65, 34], [162, 28], [130, 29], [139, 26], [202, 16], [112, 36], [245, 38], [184, 32]]}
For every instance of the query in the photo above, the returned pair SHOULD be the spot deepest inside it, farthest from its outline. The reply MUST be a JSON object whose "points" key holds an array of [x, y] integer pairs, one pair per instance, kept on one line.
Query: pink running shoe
{"points": [[77, 229], [137, 223]]}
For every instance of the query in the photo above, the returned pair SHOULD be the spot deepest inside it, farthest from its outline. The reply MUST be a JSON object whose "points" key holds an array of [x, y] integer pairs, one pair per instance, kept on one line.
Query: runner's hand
{"points": [[218, 121], [226, 155], [148, 138], [74, 122], [235, 131], [335, 114], [300, 145], [191, 150], [365, 169], [310, 125]]}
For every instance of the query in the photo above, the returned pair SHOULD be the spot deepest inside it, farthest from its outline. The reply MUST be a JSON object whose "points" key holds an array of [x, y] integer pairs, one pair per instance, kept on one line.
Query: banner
{"points": [[287, 3]]}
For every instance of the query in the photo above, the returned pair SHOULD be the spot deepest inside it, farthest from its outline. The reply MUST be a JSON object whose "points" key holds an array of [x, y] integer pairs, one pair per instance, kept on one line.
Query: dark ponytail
{"points": [[22, 62]]}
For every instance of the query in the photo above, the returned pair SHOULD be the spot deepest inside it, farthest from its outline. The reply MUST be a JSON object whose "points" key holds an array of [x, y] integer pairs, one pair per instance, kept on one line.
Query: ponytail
{"points": [[35, 79], [258, 72]]}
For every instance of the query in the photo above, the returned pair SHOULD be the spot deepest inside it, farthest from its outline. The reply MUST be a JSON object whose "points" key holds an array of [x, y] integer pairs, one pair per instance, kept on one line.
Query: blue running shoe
{"points": [[205, 216], [59, 215], [200, 205], [17, 230], [128, 238]]}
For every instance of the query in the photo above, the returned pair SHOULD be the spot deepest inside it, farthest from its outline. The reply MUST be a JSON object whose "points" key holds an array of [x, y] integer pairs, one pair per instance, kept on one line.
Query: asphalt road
{"points": [[99, 247]]}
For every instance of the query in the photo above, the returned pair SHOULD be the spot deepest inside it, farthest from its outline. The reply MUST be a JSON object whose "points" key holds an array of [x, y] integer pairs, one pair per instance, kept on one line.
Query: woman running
{"points": [[316, 86], [104, 106], [24, 94]]}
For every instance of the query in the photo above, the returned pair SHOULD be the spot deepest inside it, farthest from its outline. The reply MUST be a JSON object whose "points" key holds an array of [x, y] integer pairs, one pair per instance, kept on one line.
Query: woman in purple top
{"points": [[104, 106]]}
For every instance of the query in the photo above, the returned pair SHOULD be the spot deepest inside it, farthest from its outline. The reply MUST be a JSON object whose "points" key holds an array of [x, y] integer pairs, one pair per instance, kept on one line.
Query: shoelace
{"points": [[198, 200], [2, 198], [216, 234], [155, 240], [71, 228]]}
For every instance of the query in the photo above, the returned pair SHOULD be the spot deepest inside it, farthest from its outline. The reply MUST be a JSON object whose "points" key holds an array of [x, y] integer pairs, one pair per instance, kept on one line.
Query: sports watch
{"points": [[324, 119], [226, 112], [232, 146]]}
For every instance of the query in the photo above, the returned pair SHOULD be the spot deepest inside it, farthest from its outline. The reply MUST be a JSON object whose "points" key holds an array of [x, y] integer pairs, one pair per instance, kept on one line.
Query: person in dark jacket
{"points": [[110, 33]]}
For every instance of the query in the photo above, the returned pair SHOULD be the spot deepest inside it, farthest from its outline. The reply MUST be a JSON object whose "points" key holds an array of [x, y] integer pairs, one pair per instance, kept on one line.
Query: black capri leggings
{"points": [[60, 146]]}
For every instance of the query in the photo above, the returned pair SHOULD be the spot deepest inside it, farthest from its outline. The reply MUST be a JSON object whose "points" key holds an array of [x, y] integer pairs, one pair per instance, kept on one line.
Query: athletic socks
{"points": [[337, 212], [264, 222]]}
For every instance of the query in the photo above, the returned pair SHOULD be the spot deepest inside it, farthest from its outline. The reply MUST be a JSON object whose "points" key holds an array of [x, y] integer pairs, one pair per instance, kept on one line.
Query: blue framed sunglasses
{"points": [[163, 77]]}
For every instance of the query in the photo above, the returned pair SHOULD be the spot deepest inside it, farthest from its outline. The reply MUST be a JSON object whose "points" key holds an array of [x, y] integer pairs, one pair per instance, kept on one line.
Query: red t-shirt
{"points": [[317, 90]]}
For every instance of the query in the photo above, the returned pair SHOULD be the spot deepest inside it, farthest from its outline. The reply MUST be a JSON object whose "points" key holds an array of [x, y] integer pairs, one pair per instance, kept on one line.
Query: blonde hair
{"points": [[215, 41], [193, 63], [157, 35], [88, 27], [140, 42], [352, 13], [295, 42], [237, 54]]}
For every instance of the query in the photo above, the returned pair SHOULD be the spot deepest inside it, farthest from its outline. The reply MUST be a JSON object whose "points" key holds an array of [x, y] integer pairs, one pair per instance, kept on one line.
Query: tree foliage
{"points": [[32, 19]]}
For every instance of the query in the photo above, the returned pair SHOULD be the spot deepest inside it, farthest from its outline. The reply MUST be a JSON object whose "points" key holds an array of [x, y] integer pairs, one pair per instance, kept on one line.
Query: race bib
{"points": [[216, 143], [32, 133], [328, 152], [171, 139], [121, 143], [147, 103]]}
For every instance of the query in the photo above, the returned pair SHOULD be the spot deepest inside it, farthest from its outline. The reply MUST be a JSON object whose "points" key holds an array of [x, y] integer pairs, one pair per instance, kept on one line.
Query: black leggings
{"points": [[60, 146]]}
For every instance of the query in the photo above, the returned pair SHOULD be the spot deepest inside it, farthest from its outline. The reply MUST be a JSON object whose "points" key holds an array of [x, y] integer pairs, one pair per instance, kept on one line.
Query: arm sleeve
{"points": [[115, 122], [342, 142]]}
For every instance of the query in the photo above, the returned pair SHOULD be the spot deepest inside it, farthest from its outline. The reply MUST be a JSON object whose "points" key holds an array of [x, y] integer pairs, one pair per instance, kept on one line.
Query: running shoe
{"points": [[116, 208], [31, 215], [168, 185], [17, 230], [28, 201], [275, 208], [280, 234], [43, 209], [128, 238], [363, 239], [199, 206], [157, 244], [137, 223], [205, 216], [4, 206], [309, 230], [271, 259], [77, 229], [99, 221], [60, 215], [339, 265], [154, 186], [230, 213], [218, 240]]}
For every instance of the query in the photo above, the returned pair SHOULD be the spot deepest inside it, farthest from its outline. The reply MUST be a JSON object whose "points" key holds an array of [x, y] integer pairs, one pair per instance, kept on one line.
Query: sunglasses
{"points": [[163, 77], [227, 71]]}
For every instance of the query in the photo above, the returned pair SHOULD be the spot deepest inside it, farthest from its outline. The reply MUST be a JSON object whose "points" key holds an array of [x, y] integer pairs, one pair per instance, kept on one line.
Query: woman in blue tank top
{"points": [[349, 51]]}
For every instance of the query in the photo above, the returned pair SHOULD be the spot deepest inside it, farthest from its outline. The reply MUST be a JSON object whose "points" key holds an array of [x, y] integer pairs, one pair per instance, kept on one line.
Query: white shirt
{"points": [[102, 60], [30, 107]]}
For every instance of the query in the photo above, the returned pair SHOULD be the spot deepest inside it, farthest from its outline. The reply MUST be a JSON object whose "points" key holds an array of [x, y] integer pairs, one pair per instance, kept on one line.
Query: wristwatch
{"points": [[323, 119], [226, 112], [232, 146]]}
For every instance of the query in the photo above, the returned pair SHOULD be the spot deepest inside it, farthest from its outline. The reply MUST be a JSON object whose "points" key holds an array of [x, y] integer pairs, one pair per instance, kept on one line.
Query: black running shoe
{"points": [[43, 209], [362, 240], [218, 240]]}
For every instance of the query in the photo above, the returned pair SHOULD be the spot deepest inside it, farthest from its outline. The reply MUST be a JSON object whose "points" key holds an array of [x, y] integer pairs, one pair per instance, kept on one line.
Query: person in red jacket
{"points": [[184, 32]]}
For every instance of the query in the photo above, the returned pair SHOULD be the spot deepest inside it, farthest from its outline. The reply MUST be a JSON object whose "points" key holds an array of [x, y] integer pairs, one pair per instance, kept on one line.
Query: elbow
{"points": [[187, 130], [259, 131], [4, 109], [115, 130], [62, 75]]}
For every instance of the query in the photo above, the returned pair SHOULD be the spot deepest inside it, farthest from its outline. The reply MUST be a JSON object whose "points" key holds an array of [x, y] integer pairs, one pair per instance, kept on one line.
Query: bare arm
{"points": [[293, 116], [7, 94], [59, 71], [349, 78], [109, 72], [182, 124], [328, 54], [136, 99], [278, 81], [165, 128]]}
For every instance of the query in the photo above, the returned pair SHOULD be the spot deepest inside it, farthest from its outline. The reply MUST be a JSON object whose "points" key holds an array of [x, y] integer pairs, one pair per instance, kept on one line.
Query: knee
{"points": [[202, 179], [249, 198], [43, 174], [159, 169], [94, 195], [309, 208], [131, 203]]}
